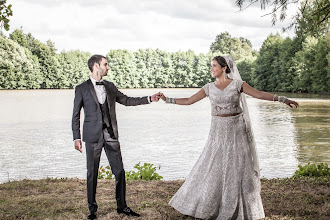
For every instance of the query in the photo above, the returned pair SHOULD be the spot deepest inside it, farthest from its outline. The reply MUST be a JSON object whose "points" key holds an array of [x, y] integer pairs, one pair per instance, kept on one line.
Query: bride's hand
{"points": [[163, 97], [291, 102]]}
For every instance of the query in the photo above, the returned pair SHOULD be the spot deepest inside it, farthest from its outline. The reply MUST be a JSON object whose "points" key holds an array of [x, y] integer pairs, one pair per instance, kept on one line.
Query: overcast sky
{"points": [[97, 26]]}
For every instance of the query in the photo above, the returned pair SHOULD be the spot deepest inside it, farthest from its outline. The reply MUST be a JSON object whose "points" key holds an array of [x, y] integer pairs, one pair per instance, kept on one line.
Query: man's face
{"points": [[103, 68]]}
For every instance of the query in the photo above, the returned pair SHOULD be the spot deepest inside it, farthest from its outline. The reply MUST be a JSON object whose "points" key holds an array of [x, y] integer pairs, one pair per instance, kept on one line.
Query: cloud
{"points": [[57, 3], [43, 3], [172, 25]]}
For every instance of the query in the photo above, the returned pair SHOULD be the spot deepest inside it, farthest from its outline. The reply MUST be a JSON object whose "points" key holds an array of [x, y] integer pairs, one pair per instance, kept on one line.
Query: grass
{"points": [[291, 198]]}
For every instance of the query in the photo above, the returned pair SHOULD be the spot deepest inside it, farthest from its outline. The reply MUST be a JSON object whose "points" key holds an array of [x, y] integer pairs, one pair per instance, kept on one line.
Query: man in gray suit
{"points": [[98, 98]]}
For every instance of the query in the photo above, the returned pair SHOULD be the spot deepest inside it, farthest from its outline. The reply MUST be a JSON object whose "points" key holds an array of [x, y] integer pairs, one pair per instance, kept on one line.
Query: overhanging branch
{"points": [[283, 4]]}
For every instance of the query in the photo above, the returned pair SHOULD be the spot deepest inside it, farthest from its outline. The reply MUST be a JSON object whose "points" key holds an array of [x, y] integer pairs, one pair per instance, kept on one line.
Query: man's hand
{"points": [[78, 145], [156, 97]]}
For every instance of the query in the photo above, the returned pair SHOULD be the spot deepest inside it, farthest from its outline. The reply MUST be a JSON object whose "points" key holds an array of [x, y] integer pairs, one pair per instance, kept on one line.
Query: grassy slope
{"points": [[301, 198]]}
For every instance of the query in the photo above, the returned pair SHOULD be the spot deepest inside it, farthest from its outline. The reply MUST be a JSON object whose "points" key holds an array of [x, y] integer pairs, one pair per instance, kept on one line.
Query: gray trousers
{"points": [[93, 154]]}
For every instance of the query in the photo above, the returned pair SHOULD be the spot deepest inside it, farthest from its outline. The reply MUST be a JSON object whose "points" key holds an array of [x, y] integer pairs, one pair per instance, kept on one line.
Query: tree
{"points": [[238, 48], [5, 13], [303, 63], [268, 64], [51, 46], [141, 68], [122, 68], [163, 69], [246, 71], [321, 73], [19, 37], [18, 68], [313, 15], [287, 73], [183, 63], [312, 66], [312, 19], [44, 53], [73, 68], [147, 64], [222, 43], [247, 41], [202, 70]]}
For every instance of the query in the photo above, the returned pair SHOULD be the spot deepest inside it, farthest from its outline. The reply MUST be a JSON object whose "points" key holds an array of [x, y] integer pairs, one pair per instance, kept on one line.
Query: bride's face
{"points": [[216, 69]]}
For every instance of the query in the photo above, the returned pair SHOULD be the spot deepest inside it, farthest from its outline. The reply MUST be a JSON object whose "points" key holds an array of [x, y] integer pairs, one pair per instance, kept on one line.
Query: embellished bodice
{"points": [[226, 101]]}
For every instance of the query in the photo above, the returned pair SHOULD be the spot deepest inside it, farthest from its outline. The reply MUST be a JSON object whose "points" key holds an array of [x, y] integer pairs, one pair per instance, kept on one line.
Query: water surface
{"points": [[36, 139]]}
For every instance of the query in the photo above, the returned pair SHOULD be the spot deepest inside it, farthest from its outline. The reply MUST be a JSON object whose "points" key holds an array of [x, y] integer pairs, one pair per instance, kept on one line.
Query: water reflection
{"points": [[36, 140], [275, 138], [313, 128]]}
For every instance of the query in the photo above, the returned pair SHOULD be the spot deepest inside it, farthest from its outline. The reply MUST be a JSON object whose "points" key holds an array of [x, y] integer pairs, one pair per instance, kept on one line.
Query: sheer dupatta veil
{"points": [[234, 74]]}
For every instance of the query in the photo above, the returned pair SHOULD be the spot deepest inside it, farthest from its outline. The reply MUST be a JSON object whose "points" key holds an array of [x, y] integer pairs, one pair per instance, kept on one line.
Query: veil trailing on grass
{"points": [[234, 74]]}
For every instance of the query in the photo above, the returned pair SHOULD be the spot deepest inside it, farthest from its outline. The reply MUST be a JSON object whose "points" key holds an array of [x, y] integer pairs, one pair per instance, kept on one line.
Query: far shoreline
{"points": [[295, 94]]}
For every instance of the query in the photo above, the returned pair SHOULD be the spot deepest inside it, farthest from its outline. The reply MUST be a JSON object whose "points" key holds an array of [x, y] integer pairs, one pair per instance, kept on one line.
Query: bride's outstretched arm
{"points": [[185, 101], [246, 88]]}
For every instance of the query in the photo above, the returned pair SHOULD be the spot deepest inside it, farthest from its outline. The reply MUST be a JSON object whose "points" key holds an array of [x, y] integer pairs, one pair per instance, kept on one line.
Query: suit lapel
{"points": [[108, 91], [92, 90]]}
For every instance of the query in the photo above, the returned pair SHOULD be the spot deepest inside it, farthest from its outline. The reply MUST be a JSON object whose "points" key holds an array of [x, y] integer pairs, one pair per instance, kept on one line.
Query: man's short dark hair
{"points": [[94, 59]]}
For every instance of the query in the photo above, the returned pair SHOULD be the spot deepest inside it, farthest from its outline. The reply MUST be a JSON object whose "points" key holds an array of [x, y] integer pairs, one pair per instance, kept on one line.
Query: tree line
{"points": [[300, 64]]}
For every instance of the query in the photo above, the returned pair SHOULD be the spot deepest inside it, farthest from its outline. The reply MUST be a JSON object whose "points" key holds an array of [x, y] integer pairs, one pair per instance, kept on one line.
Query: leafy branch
{"points": [[5, 13], [312, 15]]}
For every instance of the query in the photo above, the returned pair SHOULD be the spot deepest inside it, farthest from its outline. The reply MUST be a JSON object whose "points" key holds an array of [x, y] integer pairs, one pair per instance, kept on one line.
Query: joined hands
{"points": [[157, 96]]}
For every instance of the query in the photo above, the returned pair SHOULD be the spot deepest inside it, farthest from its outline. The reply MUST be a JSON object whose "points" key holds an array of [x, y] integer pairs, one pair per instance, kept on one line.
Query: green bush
{"points": [[105, 173], [313, 170], [145, 172]]}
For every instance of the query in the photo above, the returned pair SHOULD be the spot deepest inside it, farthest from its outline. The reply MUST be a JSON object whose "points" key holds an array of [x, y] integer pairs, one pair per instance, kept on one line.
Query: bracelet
{"points": [[274, 97], [282, 99], [170, 100]]}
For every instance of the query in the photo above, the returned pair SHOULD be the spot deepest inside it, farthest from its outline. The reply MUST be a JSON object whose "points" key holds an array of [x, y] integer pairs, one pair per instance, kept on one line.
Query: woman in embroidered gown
{"points": [[224, 183]]}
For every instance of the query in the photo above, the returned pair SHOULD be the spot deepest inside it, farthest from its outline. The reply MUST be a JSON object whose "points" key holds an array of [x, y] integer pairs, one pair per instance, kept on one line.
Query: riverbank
{"points": [[299, 198]]}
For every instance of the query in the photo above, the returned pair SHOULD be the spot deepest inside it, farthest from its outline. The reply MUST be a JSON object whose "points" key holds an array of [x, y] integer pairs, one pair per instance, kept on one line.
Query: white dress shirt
{"points": [[100, 91]]}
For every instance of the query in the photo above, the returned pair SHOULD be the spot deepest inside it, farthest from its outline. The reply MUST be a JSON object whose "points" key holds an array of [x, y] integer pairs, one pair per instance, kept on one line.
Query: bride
{"points": [[224, 183]]}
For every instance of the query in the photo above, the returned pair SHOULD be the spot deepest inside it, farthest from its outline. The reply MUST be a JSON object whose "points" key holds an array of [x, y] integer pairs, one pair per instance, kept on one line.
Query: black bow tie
{"points": [[99, 83]]}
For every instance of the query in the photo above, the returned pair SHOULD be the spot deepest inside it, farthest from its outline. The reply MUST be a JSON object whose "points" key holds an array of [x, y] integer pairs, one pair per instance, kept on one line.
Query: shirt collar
{"points": [[94, 81]]}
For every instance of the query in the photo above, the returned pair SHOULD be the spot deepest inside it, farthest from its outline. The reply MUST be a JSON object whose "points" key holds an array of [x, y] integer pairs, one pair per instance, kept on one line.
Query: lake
{"points": [[36, 138]]}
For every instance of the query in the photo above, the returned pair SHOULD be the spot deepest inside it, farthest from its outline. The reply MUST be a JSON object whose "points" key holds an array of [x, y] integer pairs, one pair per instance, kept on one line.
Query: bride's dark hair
{"points": [[222, 62]]}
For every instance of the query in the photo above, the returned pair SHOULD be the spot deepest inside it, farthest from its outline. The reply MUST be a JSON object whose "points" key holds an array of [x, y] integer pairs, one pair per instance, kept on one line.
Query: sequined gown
{"points": [[222, 184]]}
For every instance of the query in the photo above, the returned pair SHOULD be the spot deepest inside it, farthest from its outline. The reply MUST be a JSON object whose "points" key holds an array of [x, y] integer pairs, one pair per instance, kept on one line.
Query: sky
{"points": [[97, 26]]}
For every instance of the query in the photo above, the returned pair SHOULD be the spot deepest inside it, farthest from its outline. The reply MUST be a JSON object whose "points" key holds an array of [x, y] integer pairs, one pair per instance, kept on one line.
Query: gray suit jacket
{"points": [[85, 97]]}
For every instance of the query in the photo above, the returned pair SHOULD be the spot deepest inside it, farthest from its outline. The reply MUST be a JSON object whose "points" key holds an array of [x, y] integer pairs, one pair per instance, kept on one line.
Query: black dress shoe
{"points": [[128, 211], [92, 216]]}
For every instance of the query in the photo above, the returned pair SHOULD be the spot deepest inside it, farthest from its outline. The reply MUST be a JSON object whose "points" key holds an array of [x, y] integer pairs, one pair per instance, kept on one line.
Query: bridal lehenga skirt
{"points": [[222, 184]]}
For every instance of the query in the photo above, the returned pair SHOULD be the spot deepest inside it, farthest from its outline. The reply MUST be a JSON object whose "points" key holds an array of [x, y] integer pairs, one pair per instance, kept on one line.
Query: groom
{"points": [[98, 98]]}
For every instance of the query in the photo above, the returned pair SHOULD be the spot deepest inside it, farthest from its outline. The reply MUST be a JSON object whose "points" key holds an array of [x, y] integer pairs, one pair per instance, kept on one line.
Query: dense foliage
{"points": [[145, 172], [285, 65], [238, 48], [313, 170], [300, 64], [312, 18]]}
